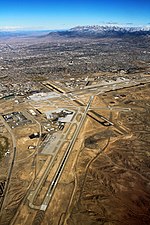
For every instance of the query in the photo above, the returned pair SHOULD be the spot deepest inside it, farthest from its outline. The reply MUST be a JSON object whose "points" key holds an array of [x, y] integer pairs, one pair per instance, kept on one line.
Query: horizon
{"points": [[49, 15], [34, 29]]}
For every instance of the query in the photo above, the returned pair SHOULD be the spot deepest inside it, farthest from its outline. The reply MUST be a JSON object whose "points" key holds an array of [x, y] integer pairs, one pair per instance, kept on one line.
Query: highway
{"points": [[11, 165]]}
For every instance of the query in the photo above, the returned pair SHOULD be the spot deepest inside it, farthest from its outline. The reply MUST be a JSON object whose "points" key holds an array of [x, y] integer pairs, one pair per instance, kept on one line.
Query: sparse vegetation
{"points": [[3, 146]]}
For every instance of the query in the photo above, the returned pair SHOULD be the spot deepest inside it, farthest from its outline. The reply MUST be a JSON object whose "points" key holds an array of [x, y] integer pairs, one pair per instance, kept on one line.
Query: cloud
{"points": [[112, 23], [20, 28], [10, 28], [129, 23], [109, 22]]}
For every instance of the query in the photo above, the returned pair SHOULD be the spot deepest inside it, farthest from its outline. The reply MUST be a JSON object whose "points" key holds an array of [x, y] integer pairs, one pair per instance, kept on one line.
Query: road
{"points": [[11, 165]]}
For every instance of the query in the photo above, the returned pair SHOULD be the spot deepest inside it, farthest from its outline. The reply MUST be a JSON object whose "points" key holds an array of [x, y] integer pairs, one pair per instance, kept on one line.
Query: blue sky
{"points": [[61, 14]]}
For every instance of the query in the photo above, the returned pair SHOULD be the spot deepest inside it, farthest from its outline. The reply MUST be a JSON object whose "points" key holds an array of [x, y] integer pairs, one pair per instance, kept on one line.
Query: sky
{"points": [[64, 14]]}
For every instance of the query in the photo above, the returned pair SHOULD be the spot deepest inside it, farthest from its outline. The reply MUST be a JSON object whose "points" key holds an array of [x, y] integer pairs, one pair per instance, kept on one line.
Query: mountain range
{"points": [[102, 31], [81, 32]]}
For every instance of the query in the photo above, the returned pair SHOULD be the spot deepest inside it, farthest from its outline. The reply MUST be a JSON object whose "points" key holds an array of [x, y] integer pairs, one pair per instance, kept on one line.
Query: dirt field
{"points": [[106, 180], [114, 188]]}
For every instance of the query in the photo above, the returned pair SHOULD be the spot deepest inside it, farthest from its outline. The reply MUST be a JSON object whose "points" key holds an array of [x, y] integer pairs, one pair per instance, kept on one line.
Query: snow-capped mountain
{"points": [[97, 28], [104, 31], [111, 30]]}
